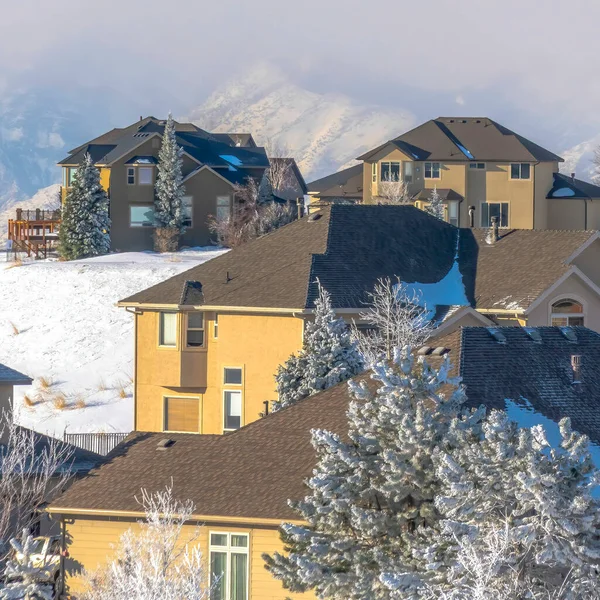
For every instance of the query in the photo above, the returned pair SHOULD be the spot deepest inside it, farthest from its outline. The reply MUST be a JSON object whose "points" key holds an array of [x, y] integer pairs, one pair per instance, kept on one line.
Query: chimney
{"points": [[572, 177], [576, 366], [493, 236], [141, 118], [471, 217], [300, 207]]}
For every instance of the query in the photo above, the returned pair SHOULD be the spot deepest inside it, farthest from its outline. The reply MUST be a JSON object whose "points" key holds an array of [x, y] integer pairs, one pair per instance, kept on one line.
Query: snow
{"points": [[563, 193], [71, 331]]}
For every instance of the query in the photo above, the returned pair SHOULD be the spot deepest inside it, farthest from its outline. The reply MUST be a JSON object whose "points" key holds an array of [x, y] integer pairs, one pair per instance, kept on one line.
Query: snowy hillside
{"points": [[579, 158], [59, 324], [322, 131]]}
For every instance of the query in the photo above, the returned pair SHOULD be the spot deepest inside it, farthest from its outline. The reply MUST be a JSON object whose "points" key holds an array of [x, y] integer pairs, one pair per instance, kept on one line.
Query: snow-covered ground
{"points": [[60, 325]]}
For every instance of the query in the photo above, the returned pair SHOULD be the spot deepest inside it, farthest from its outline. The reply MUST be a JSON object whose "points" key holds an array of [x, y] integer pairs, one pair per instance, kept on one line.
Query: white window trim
{"points": [[177, 321], [191, 210], [216, 327], [187, 328], [511, 178], [238, 390], [453, 203], [374, 170], [164, 419], [233, 367], [127, 175], [481, 214], [432, 162], [391, 162], [140, 206], [229, 550], [563, 297], [151, 175]]}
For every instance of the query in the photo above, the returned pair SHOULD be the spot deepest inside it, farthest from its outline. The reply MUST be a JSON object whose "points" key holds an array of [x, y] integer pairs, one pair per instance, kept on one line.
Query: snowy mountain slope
{"points": [[59, 321], [322, 131], [579, 159]]}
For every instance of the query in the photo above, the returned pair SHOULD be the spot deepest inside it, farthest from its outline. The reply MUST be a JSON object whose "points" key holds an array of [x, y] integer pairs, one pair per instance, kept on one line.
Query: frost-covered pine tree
{"points": [[328, 356], [169, 189], [85, 224], [370, 505], [436, 205], [24, 579]]}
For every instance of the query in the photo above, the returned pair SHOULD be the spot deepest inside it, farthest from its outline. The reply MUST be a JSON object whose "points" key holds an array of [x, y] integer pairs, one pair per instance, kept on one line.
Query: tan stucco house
{"points": [[127, 159], [479, 168]]}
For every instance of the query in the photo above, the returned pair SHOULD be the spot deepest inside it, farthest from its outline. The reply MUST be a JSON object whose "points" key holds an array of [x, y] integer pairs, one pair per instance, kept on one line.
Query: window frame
{"points": [[488, 225], [474, 166], [188, 329], [434, 162], [389, 164], [230, 204], [408, 178], [68, 177], [564, 298], [520, 164], [374, 172], [240, 369], [145, 168], [216, 327], [229, 550], [165, 421], [160, 330], [130, 171], [191, 207], [136, 205], [455, 203], [239, 391]]}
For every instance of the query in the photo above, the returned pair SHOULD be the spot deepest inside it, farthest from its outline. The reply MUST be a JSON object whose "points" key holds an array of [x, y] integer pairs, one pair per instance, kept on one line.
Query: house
{"points": [[127, 159], [287, 179], [8, 379], [481, 169], [241, 483], [345, 186], [209, 341]]}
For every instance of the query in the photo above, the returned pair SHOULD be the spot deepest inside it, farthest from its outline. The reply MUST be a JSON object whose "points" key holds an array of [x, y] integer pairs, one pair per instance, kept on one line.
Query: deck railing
{"points": [[99, 443]]}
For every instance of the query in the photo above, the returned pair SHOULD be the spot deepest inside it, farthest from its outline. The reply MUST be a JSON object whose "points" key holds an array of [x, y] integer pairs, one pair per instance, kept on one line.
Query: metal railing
{"points": [[99, 443]]}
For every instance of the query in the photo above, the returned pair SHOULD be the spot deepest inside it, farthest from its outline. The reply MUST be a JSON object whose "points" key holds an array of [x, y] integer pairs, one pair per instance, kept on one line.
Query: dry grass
{"points": [[45, 383], [59, 401], [16, 263], [123, 392], [80, 402], [28, 401], [15, 329], [102, 387]]}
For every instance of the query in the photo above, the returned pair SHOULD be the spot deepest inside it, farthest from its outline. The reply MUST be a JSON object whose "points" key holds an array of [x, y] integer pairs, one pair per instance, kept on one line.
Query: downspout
{"points": [[63, 552], [135, 314], [534, 197], [585, 213]]}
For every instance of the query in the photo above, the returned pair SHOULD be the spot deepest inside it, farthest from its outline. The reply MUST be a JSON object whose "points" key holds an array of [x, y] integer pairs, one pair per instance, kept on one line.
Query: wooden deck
{"points": [[33, 232]]}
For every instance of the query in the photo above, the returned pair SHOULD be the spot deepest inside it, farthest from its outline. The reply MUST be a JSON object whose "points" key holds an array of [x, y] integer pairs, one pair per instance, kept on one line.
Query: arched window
{"points": [[567, 313]]}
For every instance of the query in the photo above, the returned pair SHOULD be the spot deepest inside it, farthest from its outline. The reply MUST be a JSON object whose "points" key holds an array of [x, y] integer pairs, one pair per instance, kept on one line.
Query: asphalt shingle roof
{"points": [[567, 187], [10, 376], [339, 179]]}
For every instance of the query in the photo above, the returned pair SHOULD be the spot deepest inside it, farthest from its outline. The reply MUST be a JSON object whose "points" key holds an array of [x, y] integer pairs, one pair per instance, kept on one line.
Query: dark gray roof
{"points": [[243, 139], [533, 363], [467, 139], [341, 181], [98, 152], [567, 187], [10, 376]]}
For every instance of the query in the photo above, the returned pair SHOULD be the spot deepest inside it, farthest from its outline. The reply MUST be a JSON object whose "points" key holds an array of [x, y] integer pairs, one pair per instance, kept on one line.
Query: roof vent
{"points": [[576, 360], [141, 135], [568, 334], [533, 334], [440, 351], [314, 216], [164, 444], [495, 333], [464, 121], [450, 120], [425, 350], [478, 121]]}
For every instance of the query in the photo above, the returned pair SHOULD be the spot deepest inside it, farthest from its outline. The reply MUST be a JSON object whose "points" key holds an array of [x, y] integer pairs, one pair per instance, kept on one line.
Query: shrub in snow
{"points": [[157, 560], [85, 225], [436, 205], [328, 356], [168, 212], [24, 579]]}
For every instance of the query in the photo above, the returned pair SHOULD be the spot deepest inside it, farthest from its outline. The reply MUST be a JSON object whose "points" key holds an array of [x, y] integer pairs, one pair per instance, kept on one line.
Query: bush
{"points": [[166, 239]]}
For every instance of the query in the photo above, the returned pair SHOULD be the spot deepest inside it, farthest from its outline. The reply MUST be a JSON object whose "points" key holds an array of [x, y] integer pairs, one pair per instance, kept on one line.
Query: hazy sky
{"points": [[533, 56]]}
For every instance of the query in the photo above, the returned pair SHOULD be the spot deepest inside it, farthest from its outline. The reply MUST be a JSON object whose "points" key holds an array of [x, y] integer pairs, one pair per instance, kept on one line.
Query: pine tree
{"points": [[328, 356], [436, 205], [24, 580], [371, 499], [85, 225], [169, 182]]}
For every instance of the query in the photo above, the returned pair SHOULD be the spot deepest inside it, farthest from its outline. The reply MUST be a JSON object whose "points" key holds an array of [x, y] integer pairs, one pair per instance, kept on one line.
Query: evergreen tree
{"points": [[169, 182], [24, 580], [436, 205], [328, 356], [85, 225]]}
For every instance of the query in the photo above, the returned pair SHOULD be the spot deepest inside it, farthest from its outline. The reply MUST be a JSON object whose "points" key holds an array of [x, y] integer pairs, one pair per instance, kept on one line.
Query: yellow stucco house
{"points": [[480, 169]]}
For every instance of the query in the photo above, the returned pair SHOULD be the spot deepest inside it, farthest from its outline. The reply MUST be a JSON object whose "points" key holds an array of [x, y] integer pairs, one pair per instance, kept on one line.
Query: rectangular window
{"points": [[453, 213], [374, 172], [167, 334], [228, 566], [494, 209], [145, 175], [216, 326], [223, 208], [408, 172], [141, 215], [520, 171], [232, 375], [195, 330], [130, 175], [477, 166], [232, 410], [390, 171], [186, 210], [432, 170], [182, 414], [71, 172]]}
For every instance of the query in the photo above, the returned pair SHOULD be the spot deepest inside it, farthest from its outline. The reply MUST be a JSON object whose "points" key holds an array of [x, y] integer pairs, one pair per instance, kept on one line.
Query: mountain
{"points": [[579, 158], [323, 132]]}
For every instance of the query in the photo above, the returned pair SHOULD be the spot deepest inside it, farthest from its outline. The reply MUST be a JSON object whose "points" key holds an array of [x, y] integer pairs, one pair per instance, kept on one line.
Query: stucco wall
{"points": [[566, 214]]}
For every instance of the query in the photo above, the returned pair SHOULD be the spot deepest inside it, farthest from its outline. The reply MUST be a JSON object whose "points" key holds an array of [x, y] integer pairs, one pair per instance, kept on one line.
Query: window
{"points": [[182, 414], [520, 171], [131, 175], [145, 176], [408, 172], [432, 170], [374, 172], [477, 166], [228, 566], [186, 209], [232, 410], [223, 208], [216, 326], [195, 330], [232, 375], [141, 215], [494, 209], [71, 172], [390, 171], [567, 313], [453, 213], [167, 335]]}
